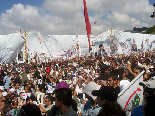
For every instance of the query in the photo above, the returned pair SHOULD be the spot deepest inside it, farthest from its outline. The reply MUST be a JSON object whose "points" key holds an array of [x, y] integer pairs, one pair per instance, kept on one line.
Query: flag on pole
{"points": [[132, 95], [88, 27], [25, 46], [142, 45], [21, 35], [134, 41], [40, 37], [25, 34], [147, 44], [111, 31], [146, 40], [77, 47]]}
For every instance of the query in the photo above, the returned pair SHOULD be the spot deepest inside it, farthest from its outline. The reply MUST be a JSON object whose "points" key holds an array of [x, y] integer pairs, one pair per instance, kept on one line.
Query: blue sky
{"points": [[7, 4], [66, 16]]}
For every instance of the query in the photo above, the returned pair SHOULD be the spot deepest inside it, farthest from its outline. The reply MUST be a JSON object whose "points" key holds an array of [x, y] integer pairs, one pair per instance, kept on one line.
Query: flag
{"points": [[88, 27], [40, 37], [21, 35], [77, 47], [111, 31], [128, 45], [134, 41], [132, 95], [152, 43], [147, 44], [25, 46], [147, 41], [142, 45], [25, 34]]}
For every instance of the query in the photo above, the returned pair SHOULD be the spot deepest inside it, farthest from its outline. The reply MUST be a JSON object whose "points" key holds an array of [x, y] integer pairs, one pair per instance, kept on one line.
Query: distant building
{"points": [[137, 30]]}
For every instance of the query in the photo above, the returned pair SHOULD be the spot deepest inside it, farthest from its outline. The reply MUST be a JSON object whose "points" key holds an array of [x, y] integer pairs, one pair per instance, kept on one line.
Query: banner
{"points": [[20, 57], [147, 44], [132, 95], [129, 45]]}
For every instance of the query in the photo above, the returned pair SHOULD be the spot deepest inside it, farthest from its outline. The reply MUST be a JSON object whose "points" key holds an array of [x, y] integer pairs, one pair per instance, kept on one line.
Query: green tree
{"points": [[151, 30]]}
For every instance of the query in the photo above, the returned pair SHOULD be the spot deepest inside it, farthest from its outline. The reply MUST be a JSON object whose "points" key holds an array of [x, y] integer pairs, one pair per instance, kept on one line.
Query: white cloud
{"points": [[20, 16], [67, 17], [63, 8]]}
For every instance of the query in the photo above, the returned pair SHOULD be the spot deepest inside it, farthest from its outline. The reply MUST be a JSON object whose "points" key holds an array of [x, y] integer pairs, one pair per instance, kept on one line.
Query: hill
{"points": [[151, 30]]}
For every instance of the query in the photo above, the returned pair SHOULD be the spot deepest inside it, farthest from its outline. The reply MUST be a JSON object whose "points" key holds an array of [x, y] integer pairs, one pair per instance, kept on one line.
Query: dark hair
{"points": [[6, 109], [28, 88], [49, 97], [149, 106], [140, 68], [111, 108], [100, 45], [113, 76], [30, 110], [64, 95]]}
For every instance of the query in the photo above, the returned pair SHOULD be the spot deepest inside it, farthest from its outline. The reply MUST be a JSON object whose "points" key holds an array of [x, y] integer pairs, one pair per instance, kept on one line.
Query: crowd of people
{"points": [[84, 86]]}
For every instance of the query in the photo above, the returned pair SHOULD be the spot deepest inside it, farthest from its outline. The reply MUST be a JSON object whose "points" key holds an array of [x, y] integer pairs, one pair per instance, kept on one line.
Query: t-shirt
{"points": [[137, 111], [47, 108], [17, 80], [13, 112], [39, 81], [88, 110], [48, 69], [6, 80], [51, 87]]}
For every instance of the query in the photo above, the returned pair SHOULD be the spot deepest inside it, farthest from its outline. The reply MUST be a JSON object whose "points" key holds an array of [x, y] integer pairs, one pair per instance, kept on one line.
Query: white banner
{"points": [[132, 95]]}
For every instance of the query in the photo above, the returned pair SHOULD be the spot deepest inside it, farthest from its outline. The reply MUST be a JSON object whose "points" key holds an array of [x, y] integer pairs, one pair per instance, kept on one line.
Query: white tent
{"points": [[50, 44]]}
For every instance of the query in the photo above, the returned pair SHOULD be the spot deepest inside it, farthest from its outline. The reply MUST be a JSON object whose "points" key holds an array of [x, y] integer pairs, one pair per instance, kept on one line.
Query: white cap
{"points": [[2, 88], [12, 90], [150, 83], [90, 87]]}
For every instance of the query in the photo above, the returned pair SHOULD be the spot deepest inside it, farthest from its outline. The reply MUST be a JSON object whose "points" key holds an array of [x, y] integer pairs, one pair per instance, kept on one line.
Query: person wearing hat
{"points": [[101, 52], [63, 99], [64, 104], [90, 108], [147, 109], [107, 100]]}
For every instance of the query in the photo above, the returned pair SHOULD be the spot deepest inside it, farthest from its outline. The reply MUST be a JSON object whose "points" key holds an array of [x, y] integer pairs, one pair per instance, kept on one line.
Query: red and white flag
{"points": [[88, 26], [132, 95]]}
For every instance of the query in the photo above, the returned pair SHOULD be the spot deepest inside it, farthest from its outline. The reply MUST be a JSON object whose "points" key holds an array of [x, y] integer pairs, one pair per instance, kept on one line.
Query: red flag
{"points": [[88, 27], [20, 30]]}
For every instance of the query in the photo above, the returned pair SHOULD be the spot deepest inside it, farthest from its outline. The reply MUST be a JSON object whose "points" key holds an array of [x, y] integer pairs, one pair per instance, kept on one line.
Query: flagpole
{"points": [[25, 46], [78, 47]]}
